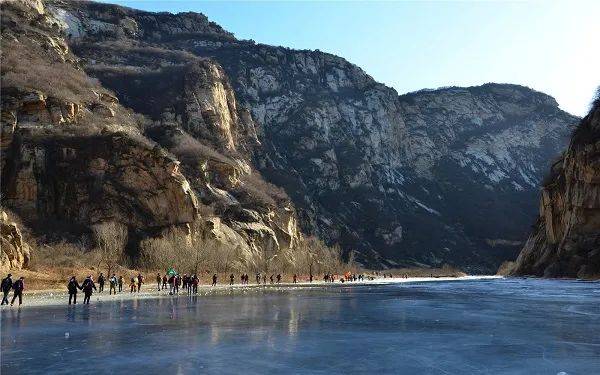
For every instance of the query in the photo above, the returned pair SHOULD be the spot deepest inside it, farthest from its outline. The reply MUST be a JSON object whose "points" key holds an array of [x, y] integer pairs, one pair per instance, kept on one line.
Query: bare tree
{"points": [[111, 238]]}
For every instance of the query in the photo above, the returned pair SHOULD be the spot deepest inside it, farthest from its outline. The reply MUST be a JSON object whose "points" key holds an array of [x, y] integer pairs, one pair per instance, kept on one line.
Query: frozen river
{"points": [[504, 326]]}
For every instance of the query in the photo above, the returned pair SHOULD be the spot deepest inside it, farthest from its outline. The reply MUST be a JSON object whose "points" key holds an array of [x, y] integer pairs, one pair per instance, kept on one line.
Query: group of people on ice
{"points": [[17, 287], [175, 281], [88, 286], [171, 280]]}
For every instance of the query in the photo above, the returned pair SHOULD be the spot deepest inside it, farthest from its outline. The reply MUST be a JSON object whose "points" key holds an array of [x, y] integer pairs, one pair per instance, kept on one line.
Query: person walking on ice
{"points": [[18, 287], [72, 287], [88, 287], [132, 285], [6, 286], [112, 284], [140, 281], [101, 282]]}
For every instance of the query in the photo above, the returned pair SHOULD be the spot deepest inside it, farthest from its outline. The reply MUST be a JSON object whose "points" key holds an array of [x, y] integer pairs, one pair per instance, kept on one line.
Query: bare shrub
{"points": [[312, 256], [111, 238], [185, 252]]}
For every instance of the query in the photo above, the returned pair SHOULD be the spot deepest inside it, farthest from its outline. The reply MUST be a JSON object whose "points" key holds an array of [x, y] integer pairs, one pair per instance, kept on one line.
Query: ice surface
{"points": [[493, 326]]}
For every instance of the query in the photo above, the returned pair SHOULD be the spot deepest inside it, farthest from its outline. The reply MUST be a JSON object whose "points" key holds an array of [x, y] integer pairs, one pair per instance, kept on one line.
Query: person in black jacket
{"points": [[6, 286], [72, 287], [18, 288], [101, 282], [87, 286]]}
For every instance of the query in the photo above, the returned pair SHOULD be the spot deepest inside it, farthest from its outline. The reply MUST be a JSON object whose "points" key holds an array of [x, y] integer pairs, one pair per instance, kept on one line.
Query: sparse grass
{"points": [[193, 152], [255, 191], [54, 78]]}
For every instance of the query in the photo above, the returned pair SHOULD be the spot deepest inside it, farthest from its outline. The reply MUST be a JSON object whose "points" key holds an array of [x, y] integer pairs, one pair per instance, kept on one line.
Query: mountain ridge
{"points": [[395, 179]]}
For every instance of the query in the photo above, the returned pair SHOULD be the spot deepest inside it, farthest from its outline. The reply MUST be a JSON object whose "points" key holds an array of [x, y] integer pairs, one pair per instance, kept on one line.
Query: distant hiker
{"points": [[164, 280], [158, 280], [214, 278], [195, 282], [271, 279], [72, 287], [101, 282], [185, 281], [177, 281], [190, 284], [18, 287], [112, 287], [6, 286], [120, 283], [278, 278], [132, 285], [171, 284], [295, 279], [258, 278], [231, 277], [243, 279], [140, 281], [88, 287], [311, 277]]}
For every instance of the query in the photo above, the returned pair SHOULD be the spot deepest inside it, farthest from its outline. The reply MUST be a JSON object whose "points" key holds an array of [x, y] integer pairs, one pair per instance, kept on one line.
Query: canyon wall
{"points": [[565, 241], [269, 141], [73, 157]]}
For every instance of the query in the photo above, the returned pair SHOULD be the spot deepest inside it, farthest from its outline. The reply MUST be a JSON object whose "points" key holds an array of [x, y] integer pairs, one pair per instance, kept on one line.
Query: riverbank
{"points": [[150, 291]]}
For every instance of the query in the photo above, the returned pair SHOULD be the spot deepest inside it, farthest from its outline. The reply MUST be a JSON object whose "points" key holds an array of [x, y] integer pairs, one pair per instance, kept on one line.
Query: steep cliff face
{"points": [[14, 251], [565, 241], [71, 153], [432, 177]]}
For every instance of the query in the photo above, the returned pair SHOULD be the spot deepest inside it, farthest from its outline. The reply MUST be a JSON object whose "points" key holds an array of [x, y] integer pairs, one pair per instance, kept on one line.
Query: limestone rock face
{"points": [[566, 239], [426, 178], [72, 153], [97, 178], [14, 251]]}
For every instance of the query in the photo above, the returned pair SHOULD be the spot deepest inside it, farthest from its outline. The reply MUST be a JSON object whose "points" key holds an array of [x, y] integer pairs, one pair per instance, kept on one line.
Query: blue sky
{"points": [[549, 46]]}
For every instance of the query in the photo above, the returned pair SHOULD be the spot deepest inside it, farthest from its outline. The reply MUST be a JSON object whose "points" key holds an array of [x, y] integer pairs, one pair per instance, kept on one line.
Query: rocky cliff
{"points": [[14, 250], [565, 241], [432, 177], [73, 155]]}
